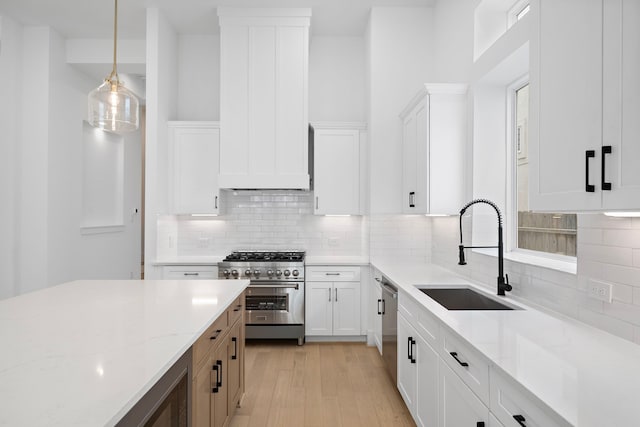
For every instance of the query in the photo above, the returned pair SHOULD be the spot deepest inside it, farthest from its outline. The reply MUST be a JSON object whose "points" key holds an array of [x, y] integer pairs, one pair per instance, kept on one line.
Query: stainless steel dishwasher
{"points": [[390, 328]]}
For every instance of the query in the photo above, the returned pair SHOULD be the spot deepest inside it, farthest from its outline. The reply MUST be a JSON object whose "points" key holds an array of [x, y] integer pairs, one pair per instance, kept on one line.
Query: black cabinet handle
{"points": [[606, 149], [219, 382], [216, 383], [589, 154], [413, 358], [384, 306], [480, 424], [455, 356], [520, 420], [216, 335], [379, 311], [216, 203], [191, 274], [235, 348], [409, 348], [412, 199]]}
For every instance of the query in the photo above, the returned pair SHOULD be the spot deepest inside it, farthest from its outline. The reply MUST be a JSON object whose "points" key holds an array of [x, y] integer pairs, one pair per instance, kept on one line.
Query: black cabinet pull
{"points": [[216, 383], [520, 420], [589, 154], [384, 307], [216, 335], [606, 149], [379, 311], [412, 199], [235, 348], [409, 348], [455, 356], [219, 381], [480, 424], [413, 358]]}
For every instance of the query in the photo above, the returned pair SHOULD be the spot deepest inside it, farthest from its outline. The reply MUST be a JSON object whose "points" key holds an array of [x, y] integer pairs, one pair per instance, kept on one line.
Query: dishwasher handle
{"points": [[389, 289]]}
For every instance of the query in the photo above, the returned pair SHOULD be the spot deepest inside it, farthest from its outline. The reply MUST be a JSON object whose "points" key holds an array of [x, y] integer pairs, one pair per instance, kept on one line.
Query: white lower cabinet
{"points": [[446, 382], [417, 375], [376, 309], [459, 405], [332, 301]]}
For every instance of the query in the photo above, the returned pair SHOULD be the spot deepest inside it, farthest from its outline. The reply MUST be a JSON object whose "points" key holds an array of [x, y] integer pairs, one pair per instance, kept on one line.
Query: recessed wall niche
{"points": [[103, 179]]}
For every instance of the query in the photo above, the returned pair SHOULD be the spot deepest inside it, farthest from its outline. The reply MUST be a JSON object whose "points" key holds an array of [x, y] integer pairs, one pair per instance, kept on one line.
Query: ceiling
{"points": [[91, 19]]}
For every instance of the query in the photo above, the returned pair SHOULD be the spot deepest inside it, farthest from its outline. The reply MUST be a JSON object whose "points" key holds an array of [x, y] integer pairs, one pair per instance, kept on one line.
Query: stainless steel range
{"points": [[275, 296]]}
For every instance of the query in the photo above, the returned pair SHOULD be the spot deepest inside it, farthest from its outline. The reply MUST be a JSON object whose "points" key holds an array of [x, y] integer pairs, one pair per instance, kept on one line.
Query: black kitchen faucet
{"points": [[503, 280]]}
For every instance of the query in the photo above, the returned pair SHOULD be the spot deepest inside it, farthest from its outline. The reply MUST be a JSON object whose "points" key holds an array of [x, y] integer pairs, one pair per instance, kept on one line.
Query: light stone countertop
{"points": [[193, 260], [589, 377], [335, 260], [84, 352]]}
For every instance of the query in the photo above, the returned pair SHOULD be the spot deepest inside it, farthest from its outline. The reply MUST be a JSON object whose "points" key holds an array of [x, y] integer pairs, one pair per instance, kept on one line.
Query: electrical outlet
{"points": [[599, 290]]}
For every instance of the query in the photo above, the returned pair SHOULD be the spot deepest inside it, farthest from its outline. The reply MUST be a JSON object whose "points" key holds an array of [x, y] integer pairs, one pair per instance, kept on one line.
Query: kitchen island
{"points": [[83, 353]]}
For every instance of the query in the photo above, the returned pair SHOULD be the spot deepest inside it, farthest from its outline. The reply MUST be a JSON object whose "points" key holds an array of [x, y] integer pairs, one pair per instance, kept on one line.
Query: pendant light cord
{"points": [[114, 71]]}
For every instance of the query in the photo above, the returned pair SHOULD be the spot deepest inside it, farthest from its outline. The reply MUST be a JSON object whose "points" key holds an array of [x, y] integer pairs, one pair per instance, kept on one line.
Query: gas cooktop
{"points": [[261, 256]]}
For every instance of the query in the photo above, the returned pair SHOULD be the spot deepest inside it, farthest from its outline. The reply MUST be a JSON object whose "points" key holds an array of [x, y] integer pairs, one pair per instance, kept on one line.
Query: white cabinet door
{"points": [[337, 171], [346, 308], [264, 58], [566, 95], [194, 165], [585, 101], [426, 411], [407, 377], [433, 141], [621, 103], [459, 406], [318, 308]]}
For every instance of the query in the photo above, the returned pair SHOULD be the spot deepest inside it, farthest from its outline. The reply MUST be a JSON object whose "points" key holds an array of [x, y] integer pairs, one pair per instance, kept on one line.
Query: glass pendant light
{"points": [[112, 107]]}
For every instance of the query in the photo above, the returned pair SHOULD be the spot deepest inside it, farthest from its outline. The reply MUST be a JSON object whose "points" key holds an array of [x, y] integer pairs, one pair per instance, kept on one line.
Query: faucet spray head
{"points": [[461, 261]]}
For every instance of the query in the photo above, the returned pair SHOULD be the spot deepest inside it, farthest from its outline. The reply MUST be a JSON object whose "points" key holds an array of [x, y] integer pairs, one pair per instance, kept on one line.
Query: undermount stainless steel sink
{"points": [[463, 298]]}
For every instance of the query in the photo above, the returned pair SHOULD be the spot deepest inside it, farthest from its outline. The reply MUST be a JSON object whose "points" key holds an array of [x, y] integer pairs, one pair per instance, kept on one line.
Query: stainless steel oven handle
{"points": [[276, 285]]}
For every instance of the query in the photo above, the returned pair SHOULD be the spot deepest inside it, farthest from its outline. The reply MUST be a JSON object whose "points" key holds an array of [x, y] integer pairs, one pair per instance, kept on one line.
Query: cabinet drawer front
{"points": [[472, 368], [426, 325], [333, 274], [181, 272], [236, 309], [508, 401], [209, 339]]}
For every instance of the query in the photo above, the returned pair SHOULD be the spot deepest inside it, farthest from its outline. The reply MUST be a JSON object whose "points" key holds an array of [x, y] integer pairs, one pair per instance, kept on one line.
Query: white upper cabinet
{"points": [[264, 57], [585, 98], [193, 167], [336, 170], [433, 141]]}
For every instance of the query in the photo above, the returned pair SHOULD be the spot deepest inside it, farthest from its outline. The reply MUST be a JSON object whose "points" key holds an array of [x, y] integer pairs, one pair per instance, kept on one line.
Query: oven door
{"points": [[275, 303]]}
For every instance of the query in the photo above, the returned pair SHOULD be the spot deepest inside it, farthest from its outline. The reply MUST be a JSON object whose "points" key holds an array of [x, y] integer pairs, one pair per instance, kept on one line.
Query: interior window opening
{"points": [[551, 233]]}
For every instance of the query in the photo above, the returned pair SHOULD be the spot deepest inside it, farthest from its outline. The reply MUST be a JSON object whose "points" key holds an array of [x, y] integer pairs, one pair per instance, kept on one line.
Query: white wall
{"points": [[162, 105], [10, 71], [336, 79], [198, 77], [48, 99]]}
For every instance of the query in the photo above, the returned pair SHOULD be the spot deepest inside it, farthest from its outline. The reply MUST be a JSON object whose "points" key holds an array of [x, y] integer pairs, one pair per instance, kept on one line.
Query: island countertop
{"points": [[84, 352]]}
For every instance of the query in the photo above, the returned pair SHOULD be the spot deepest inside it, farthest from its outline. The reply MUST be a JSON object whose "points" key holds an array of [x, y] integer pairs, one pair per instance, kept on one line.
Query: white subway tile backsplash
{"points": [[606, 254], [274, 219]]}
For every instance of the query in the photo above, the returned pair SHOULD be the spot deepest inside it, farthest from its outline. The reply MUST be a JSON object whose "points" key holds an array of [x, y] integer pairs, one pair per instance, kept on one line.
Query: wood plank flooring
{"points": [[316, 385]]}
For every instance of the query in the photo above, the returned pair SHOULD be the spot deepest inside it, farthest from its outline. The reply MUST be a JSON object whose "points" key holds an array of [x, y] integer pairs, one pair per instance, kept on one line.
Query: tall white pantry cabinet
{"points": [[584, 145]]}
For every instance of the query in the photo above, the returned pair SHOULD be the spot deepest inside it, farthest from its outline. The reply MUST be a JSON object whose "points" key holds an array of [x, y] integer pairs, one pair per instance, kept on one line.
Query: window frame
{"points": [[511, 218]]}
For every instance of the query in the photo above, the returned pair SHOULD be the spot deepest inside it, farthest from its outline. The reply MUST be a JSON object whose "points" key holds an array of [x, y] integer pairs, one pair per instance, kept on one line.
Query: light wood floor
{"points": [[318, 384]]}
